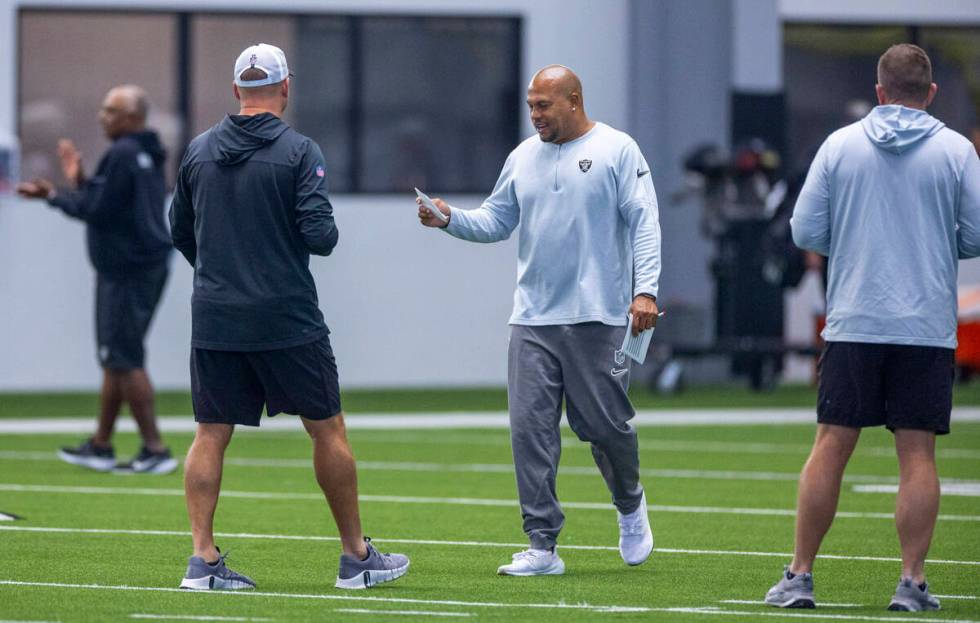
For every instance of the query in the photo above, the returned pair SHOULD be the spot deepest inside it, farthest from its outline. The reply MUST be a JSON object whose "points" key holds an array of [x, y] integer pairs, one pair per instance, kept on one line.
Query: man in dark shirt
{"points": [[249, 208], [122, 206]]}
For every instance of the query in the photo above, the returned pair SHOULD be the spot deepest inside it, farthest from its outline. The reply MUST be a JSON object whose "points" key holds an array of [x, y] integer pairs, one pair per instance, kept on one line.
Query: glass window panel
{"points": [[322, 99], [439, 107], [61, 86], [216, 41]]}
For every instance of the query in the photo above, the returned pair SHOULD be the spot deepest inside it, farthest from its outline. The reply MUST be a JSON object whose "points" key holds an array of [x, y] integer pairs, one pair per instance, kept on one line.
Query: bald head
{"points": [[132, 98], [557, 107], [124, 110], [559, 78]]}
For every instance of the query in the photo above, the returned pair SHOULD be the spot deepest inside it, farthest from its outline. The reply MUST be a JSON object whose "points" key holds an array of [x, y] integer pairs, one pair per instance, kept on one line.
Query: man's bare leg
{"points": [[819, 491], [918, 498], [202, 484], [138, 392], [110, 402], [336, 473]]}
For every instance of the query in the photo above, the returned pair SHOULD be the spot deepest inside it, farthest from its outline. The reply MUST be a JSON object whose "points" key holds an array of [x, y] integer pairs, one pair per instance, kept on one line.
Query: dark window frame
{"points": [[184, 55]]}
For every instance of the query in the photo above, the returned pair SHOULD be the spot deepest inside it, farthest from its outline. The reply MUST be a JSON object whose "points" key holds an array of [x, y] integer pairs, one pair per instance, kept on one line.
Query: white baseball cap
{"points": [[268, 58]]}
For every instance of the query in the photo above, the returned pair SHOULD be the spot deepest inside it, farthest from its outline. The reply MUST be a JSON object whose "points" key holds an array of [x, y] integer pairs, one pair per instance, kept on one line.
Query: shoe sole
{"points": [[558, 569], [161, 468], [370, 577], [908, 606], [94, 463], [638, 561], [214, 583], [805, 603]]}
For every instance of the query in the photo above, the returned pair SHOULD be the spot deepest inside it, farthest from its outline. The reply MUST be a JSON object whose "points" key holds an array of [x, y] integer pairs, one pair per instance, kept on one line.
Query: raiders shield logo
{"points": [[584, 165]]}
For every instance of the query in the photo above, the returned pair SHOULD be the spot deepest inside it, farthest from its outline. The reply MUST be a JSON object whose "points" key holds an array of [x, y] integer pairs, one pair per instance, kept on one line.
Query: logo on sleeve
{"points": [[144, 160], [319, 171], [640, 173], [584, 165]]}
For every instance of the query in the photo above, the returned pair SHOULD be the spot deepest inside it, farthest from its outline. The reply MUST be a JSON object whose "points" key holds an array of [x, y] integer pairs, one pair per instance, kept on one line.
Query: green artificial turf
{"points": [[702, 557]]}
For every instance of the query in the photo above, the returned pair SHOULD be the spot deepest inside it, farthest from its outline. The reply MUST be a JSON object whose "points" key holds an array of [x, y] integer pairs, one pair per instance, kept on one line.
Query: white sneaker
{"points": [[635, 536], [534, 562]]}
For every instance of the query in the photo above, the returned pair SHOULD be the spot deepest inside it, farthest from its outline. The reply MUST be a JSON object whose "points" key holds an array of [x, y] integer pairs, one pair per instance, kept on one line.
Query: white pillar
{"points": [[757, 47]]}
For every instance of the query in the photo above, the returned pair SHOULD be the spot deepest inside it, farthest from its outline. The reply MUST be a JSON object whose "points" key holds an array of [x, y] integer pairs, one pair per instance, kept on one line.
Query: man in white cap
{"points": [[251, 192]]}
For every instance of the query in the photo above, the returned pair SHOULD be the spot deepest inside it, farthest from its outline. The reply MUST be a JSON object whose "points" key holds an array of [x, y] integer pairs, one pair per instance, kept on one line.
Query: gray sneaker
{"points": [[201, 576], [376, 569], [910, 597], [792, 592]]}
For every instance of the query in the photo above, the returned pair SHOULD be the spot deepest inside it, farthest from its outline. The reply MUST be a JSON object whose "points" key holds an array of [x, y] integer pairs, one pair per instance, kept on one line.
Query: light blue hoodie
{"points": [[892, 201]]}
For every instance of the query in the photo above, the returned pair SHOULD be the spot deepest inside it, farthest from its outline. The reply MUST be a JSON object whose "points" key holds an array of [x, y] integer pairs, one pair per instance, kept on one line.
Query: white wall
{"points": [[407, 306]]}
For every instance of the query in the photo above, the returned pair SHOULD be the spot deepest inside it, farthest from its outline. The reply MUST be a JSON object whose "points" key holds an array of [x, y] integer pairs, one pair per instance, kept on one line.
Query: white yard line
{"points": [[328, 597], [964, 489], [418, 613], [956, 596], [405, 499], [490, 544], [453, 420], [508, 469], [759, 602], [194, 617], [801, 615]]}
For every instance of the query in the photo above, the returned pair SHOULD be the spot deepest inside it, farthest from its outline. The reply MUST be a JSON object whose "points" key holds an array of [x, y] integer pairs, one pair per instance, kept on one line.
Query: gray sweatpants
{"points": [[578, 363]]}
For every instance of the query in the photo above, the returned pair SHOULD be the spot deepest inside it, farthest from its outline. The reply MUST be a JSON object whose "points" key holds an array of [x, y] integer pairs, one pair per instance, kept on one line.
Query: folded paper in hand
{"points": [[636, 347], [427, 202]]}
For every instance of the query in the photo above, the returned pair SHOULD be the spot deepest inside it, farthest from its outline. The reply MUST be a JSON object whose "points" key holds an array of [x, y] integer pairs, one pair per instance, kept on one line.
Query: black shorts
{"points": [[231, 387], [124, 307], [885, 385]]}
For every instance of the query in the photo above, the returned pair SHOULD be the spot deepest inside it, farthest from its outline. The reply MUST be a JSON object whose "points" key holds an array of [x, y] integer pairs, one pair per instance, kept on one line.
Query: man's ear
{"points": [[882, 96], [285, 88], [238, 95], [932, 95]]}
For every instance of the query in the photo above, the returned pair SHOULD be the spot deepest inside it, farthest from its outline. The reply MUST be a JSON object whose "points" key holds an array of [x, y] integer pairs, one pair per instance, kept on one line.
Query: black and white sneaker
{"points": [[90, 456], [147, 462]]}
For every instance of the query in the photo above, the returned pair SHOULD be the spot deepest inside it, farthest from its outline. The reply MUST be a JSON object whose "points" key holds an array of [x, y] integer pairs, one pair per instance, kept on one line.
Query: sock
{"points": [[790, 575], [923, 586], [211, 564]]}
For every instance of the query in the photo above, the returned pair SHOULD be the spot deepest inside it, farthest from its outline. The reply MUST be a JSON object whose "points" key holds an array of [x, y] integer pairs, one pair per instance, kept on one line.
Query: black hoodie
{"points": [[122, 205], [249, 208]]}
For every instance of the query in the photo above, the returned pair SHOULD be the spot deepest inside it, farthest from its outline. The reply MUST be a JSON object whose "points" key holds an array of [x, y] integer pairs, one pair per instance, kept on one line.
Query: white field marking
{"points": [[31, 621], [492, 544], [405, 499], [507, 468], [452, 420], [185, 424], [966, 489], [759, 602], [329, 597], [956, 596], [800, 615], [195, 617], [418, 613]]}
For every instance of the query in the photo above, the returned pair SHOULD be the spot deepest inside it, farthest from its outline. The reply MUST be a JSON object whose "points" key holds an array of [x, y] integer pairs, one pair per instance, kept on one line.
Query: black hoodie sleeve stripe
{"points": [[314, 214]]}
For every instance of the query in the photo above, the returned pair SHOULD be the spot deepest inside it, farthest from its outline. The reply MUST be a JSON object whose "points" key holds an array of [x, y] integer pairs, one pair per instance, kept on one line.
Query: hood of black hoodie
{"points": [[237, 137], [149, 141]]}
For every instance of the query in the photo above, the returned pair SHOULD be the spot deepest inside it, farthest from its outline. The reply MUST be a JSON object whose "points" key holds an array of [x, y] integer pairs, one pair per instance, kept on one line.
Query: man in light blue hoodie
{"points": [[893, 201]]}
